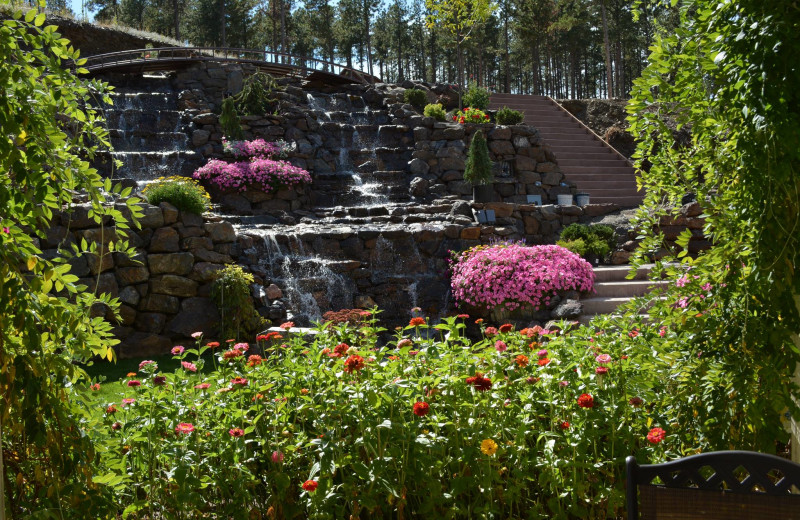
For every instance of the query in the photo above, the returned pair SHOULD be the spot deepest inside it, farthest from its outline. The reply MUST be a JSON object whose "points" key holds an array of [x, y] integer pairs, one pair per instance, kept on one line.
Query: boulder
{"points": [[160, 303], [164, 240], [132, 275], [173, 285], [196, 315], [171, 263], [151, 322], [568, 309], [220, 231]]}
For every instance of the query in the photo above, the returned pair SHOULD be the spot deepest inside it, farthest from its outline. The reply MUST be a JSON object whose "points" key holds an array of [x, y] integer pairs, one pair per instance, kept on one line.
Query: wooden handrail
{"points": [[627, 161], [137, 56]]}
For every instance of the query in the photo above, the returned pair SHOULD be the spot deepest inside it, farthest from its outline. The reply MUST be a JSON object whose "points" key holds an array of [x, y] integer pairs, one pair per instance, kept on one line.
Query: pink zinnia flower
{"points": [[197, 334], [189, 367], [542, 353], [241, 347], [202, 386], [500, 346], [277, 457], [603, 359], [127, 401], [184, 428], [145, 363], [236, 432], [178, 350], [288, 325]]}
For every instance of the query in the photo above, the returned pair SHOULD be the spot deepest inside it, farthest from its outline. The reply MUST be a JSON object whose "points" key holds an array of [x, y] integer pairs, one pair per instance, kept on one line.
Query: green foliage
{"points": [[509, 116], [256, 97], [229, 120], [595, 240], [184, 193], [436, 111], [415, 97], [50, 131], [311, 410], [477, 97], [727, 72], [231, 293], [478, 169]]}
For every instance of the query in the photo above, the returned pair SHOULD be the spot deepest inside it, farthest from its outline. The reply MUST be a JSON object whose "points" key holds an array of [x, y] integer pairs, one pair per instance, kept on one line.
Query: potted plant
{"points": [[478, 170]]}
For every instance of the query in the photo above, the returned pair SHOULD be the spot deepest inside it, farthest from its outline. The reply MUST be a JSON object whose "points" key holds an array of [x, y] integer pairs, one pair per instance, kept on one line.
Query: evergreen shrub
{"points": [[415, 97], [436, 111], [509, 116]]}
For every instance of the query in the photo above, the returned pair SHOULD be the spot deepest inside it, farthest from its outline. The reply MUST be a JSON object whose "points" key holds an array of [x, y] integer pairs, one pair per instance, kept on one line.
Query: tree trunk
{"points": [[434, 63], [176, 19], [222, 23], [607, 52], [507, 80], [369, 38], [459, 73], [283, 30]]}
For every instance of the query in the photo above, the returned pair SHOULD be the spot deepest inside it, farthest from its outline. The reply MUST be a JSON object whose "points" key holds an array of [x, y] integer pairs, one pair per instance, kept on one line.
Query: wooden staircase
{"points": [[586, 160]]}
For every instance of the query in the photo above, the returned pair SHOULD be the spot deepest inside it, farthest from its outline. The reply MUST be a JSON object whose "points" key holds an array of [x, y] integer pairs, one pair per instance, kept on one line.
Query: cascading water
{"points": [[147, 133], [309, 284]]}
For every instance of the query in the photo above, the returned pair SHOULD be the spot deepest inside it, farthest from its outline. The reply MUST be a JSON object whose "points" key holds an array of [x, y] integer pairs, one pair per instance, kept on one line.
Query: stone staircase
{"points": [[612, 289], [585, 159]]}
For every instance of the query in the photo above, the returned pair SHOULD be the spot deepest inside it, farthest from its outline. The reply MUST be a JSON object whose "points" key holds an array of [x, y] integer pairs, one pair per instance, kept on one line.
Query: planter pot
{"points": [[582, 199], [483, 193], [564, 199]]}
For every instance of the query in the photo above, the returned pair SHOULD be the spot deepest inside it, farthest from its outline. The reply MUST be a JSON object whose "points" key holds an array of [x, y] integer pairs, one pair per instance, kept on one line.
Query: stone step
{"points": [[612, 273], [607, 161], [626, 288], [603, 170]]}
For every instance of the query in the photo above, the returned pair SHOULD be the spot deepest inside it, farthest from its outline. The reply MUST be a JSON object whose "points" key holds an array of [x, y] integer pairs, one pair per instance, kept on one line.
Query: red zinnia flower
{"points": [[236, 432], [340, 350], [543, 362], [134, 382], [254, 360], [353, 363], [521, 360], [601, 371], [421, 409], [159, 380], [111, 409], [310, 485], [656, 435], [463, 316], [95, 387], [232, 354], [288, 325], [212, 344], [480, 383], [416, 322], [239, 381], [564, 425], [506, 327], [636, 402], [586, 401]]}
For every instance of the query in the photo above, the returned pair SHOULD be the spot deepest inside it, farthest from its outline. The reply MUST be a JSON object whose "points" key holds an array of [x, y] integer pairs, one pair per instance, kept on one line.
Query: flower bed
{"points": [[512, 275], [527, 420], [264, 174]]}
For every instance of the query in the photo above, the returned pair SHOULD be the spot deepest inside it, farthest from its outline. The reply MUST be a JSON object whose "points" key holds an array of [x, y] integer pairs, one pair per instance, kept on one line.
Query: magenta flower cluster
{"points": [[255, 148], [514, 275], [261, 173]]}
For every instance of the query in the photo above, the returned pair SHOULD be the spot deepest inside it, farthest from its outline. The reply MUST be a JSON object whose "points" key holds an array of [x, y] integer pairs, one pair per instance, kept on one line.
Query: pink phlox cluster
{"points": [[255, 148], [514, 275], [264, 174]]}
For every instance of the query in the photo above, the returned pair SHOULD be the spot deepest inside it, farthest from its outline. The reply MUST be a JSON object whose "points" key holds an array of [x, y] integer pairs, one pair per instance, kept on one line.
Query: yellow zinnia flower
{"points": [[488, 447]]}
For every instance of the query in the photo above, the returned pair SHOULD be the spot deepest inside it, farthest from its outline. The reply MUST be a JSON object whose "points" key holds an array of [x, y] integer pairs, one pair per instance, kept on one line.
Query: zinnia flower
{"points": [[95, 387], [340, 350], [500, 346], [111, 409], [405, 342], [636, 402], [603, 359], [116, 426], [488, 447], [184, 428], [134, 382], [463, 316], [254, 360], [197, 334], [310, 485], [353, 363], [586, 401], [236, 432], [480, 383], [202, 386], [416, 322], [490, 331], [240, 381], [521, 361], [288, 325], [212, 344], [601, 371], [159, 380], [277, 457], [564, 425], [543, 362], [506, 327], [243, 347], [189, 367], [232, 354], [178, 350], [128, 400], [421, 409], [542, 353], [656, 435], [145, 363]]}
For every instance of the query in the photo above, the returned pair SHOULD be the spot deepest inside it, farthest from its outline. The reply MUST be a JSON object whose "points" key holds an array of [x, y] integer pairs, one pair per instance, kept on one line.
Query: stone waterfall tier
{"points": [[147, 132]]}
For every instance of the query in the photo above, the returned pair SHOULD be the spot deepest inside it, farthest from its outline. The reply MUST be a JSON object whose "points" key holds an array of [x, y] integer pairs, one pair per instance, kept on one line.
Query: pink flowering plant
{"points": [[260, 173], [256, 148], [512, 275]]}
